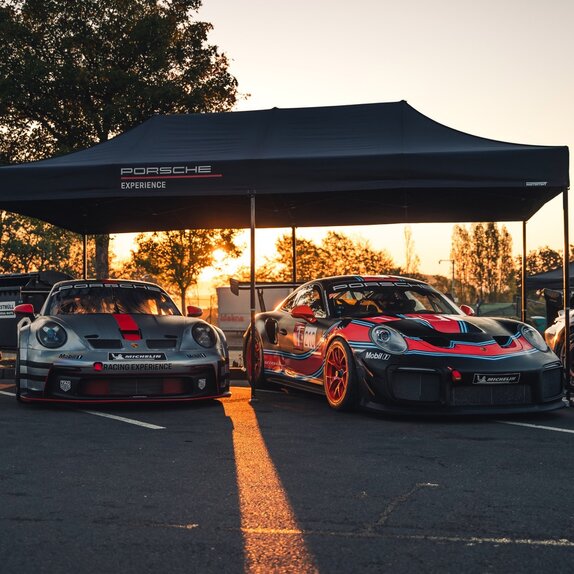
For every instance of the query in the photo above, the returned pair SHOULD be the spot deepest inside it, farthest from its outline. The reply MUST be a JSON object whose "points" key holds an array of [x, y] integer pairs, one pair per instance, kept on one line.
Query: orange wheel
{"points": [[339, 378]]}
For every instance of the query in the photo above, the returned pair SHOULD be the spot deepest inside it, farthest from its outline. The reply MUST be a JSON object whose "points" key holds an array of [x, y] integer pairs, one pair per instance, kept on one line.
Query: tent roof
{"points": [[343, 165], [552, 279]]}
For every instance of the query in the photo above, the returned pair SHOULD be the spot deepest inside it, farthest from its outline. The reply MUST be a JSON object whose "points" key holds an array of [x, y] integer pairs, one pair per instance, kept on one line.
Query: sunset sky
{"points": [[501, 69]]}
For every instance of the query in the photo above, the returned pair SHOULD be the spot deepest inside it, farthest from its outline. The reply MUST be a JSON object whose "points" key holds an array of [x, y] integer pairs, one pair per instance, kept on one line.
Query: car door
{"points": [[300, 338]]}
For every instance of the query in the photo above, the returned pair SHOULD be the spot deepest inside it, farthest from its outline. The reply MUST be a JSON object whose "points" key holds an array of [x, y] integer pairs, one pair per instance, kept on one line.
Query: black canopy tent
{"points": [[553, 279], [343, 165]]}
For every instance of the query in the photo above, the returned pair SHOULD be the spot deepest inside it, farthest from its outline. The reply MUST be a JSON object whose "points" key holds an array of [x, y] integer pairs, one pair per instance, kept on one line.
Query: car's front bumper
{"points": [[463, 386], [78, 381]]}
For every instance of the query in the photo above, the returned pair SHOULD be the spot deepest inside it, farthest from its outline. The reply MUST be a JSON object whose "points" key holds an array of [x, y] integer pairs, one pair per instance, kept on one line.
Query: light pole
{"points": [[452, 278]]}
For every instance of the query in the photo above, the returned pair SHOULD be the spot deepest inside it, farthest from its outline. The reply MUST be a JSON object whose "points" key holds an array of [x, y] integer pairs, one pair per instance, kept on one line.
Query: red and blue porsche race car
{"points": [[398, 345]]}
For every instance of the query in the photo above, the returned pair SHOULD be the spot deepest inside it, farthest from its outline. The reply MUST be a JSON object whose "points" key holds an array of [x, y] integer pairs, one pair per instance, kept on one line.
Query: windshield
{"points": [[363, 300], [110, 298]]}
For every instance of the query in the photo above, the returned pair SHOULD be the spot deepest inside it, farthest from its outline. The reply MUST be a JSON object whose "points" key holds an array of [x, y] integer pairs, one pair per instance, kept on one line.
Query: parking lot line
{"points": [[124, 420], [555, 429], [7, 394]]}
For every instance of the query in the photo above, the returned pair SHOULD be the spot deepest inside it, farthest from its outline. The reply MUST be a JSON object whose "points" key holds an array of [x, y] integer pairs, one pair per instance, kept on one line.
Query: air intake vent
{"points": [[105, 343], [161, 343]]}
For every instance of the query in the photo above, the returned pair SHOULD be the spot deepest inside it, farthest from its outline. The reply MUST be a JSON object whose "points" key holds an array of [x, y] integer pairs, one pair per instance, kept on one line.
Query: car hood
{"points": [[125, 329], [448, 327]]}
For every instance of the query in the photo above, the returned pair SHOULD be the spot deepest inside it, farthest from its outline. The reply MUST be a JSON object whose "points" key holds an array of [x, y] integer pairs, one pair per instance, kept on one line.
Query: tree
{"points": [[412, 260], [459, 253], [176, 258], [73, 74], [541, 260], [28, 245], [337, 254], [484, 261]]}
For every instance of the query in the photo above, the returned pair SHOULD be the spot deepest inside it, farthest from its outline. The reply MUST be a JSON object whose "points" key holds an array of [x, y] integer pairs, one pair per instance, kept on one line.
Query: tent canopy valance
{"points": [[342, 165]]}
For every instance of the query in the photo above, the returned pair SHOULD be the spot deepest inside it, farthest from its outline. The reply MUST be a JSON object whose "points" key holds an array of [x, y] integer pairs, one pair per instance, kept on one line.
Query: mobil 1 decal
{"points": [[304, 336]]}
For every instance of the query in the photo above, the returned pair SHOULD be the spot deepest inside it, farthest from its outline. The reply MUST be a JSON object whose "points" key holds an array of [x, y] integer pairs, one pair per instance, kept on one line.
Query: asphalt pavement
{"points": [[281, 484]]}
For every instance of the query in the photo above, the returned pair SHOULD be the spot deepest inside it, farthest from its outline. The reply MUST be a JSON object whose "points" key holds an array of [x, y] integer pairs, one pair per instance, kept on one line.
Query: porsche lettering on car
{"points": [[396, 344], [117, 341]]}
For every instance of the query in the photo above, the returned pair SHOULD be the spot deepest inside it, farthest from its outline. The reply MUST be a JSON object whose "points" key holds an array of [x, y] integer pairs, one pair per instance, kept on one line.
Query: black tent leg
{"points": [[85, 257], [252, 369], [566, 281], [294, 254], [523, 311]]}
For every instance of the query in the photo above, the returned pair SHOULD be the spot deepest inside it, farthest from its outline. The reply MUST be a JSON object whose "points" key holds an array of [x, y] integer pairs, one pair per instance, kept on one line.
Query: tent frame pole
{"points": [[252, 369], [566, 301], [294, 254], [85, 256], [523, 278]]}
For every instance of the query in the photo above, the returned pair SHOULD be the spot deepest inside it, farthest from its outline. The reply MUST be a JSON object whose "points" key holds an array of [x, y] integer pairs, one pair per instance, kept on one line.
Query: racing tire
{"points": [[340, 377], [259, 381]]}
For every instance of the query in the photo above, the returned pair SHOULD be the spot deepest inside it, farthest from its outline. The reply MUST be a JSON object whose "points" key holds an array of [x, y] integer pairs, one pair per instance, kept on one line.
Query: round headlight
{"points": [[51, 335], [534, 337], [389, 340], [204, 335]]}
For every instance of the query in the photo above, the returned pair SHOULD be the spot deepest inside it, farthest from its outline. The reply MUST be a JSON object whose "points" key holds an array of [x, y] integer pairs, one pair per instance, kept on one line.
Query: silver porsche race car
{"points": [[117, 341]]}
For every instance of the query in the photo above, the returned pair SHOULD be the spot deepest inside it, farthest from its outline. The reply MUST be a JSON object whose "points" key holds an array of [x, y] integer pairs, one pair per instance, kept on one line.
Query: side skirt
{"points": [[310, 387]]}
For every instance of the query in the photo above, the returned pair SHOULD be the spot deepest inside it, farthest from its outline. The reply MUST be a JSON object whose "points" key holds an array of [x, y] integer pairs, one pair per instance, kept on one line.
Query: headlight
{"points": [[204, 335], [51, 335], [389, 340], [534, 337]]}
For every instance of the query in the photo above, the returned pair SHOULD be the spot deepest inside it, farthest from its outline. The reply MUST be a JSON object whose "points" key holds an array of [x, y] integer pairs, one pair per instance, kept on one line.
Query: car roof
{"points": [[82, 282], [327, 281]]}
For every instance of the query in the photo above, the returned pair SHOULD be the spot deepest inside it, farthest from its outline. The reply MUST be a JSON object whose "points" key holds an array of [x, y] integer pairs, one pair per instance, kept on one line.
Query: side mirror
{"points": [[467, 310], [303, 312], [193, 311], [24, 310]]}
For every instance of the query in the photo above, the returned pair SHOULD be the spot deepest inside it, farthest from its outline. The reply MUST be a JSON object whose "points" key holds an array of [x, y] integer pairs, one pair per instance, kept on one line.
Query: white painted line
{"points": [[125, 420], [555, 429], [7, 394]]}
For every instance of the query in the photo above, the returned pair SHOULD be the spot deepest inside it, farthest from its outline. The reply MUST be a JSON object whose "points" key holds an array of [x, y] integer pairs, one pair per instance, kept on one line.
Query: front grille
{"points": [[551, 383], [105, 343], [413, 385], [197, 382], [491, 395], [136, 386]]}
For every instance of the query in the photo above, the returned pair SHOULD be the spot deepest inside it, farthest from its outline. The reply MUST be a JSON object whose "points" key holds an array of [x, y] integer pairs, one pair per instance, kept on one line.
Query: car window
{"points": [[84, 299], [309, 295], [364, 300]]}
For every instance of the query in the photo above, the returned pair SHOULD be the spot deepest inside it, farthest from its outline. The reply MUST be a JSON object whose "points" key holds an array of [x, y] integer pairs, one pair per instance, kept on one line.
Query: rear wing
{"points": [[260, 287]]}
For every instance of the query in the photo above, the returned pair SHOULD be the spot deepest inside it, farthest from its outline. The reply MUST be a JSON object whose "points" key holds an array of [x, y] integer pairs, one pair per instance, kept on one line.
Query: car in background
{"points": [[555, 336], [396, 344], [117, 341]]}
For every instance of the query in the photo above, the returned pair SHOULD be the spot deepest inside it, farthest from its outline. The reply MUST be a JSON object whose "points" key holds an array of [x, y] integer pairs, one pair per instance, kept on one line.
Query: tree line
{"points": [[485, 270]]}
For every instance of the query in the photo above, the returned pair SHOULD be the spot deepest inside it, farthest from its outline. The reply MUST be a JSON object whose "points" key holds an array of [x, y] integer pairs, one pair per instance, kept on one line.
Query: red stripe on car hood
{"points": [[128, 327]]}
